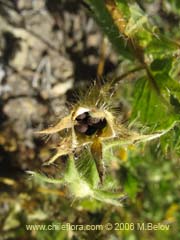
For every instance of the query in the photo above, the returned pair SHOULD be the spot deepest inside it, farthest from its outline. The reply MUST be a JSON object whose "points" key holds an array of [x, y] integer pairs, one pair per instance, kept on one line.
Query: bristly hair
{"points": [[99, 95]]}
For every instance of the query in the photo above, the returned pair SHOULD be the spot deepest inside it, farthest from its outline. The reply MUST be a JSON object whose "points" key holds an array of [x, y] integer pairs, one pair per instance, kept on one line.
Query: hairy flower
{"points": [[93, 123]]}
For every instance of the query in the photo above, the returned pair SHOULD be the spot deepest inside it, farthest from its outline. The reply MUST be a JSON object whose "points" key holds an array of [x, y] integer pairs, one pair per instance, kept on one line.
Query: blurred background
{"points": [[48, 51]]}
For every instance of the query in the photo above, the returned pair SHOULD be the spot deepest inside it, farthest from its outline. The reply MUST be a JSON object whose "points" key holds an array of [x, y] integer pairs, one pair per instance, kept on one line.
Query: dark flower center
{"points": [[88, 125]]}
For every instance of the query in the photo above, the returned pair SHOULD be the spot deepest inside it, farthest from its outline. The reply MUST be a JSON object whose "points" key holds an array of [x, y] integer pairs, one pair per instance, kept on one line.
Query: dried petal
{"points": [[64, 148], [62, 124], [96, 150]]}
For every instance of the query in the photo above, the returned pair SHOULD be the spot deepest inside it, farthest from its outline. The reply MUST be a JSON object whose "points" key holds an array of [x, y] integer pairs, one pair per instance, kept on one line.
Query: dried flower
{"points": [[93, 121]]}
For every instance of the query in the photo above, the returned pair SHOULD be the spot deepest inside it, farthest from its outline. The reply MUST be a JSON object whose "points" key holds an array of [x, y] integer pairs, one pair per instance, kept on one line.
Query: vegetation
{"points": [[118, 148]]}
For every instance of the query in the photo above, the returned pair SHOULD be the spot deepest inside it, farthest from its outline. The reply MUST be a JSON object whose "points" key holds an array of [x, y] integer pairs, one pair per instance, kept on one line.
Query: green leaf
{"points": [[161, 65], [108, 26], [148, 107], [71, 172], [161, 47], [169, 87], [86, 168], [123, 7], [131, 186], [138, 21]]}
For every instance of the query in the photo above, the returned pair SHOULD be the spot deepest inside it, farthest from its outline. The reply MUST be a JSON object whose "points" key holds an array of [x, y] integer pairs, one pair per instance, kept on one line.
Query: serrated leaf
{"points": [[148, 107], [161, 47]]}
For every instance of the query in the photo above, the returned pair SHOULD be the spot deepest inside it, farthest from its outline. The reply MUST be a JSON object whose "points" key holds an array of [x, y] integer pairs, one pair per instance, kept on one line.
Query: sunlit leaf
{"points": [[148, 107]]}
